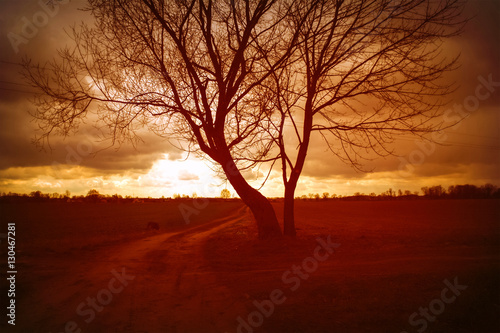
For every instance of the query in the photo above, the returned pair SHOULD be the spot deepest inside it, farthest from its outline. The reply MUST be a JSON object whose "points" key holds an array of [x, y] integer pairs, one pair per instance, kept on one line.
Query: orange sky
{"points": [[469, 152]]}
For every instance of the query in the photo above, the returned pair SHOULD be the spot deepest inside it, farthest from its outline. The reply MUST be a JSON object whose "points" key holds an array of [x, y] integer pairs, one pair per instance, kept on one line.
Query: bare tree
{"points": [[225, 194], [228, 77], [183, 69], [363, 72]]}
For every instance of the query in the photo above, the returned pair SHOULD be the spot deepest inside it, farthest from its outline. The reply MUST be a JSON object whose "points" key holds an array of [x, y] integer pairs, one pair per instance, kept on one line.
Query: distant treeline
{"points": [[487, 191], [96, 197], [467, 191]]}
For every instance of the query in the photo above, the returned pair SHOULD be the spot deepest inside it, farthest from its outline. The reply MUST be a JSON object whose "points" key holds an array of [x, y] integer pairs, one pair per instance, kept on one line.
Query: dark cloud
{"points": [[462, 150], [479, 48], [84, 148], [471, 149], [39, 41], [33, 29]]}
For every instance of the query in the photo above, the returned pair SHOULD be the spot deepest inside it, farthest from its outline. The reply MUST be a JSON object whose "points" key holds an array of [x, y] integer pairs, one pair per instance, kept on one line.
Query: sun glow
{"points": [[184, 176]]}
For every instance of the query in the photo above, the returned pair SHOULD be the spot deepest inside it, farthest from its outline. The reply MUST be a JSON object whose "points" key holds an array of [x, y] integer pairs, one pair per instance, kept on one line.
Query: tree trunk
{"points": [[288, 213], [291, 184], [262, 210], [264, 214]]}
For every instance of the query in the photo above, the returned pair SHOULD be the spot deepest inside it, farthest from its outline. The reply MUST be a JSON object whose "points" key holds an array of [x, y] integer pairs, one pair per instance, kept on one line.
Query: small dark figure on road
{"points": [[153, 226]]}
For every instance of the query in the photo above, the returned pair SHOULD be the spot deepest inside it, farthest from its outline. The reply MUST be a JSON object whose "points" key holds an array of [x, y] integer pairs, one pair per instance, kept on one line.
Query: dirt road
{"points": [[158, 284]]}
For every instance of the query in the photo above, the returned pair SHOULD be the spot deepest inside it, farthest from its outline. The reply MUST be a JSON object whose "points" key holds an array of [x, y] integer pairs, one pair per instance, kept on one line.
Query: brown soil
{"points": [[209, 275]]}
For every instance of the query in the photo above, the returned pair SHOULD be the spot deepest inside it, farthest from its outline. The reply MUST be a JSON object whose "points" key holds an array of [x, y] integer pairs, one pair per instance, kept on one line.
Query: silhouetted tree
{"points": [[116, 198], [226, 77], [488, 190], [434, 191], [363, 71], [36, 195], [185, 69], [225, 194], [93, 195], [464, 191]]}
